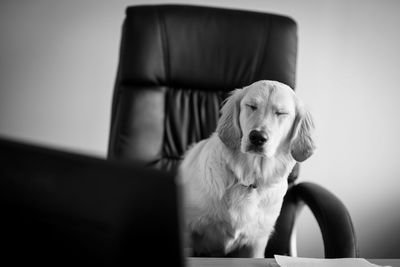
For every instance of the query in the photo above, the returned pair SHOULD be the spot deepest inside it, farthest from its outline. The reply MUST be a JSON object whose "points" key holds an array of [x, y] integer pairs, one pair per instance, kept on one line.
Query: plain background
{"points": [[58, 62]]}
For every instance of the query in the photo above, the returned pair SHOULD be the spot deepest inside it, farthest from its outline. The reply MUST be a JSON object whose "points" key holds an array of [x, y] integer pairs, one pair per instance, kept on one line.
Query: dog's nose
{"points": [[258, 138]]}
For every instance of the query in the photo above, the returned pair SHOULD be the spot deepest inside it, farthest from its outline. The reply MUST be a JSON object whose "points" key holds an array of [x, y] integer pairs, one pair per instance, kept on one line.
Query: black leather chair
{"points": [[176, 65], [65, 209]]}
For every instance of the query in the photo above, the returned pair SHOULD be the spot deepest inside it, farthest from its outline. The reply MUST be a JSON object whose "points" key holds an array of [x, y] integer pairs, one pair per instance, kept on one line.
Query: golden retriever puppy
{"points": [[234, 182]]}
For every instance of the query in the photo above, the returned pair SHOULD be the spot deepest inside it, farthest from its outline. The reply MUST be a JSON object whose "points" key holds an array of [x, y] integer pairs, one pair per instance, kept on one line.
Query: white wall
{"points": [[57, 68]]}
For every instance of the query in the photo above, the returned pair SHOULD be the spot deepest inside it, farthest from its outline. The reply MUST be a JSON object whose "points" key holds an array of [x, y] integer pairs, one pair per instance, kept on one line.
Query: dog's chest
{"points": [[253, 212]]}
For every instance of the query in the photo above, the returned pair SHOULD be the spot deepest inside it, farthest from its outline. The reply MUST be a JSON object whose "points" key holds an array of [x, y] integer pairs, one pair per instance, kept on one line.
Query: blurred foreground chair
{"points": [[64, 209], [176, 65]]}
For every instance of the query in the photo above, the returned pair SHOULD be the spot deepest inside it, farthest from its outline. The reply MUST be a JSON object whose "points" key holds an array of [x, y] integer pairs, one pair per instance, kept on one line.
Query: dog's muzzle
{"points": [[258, 138]]}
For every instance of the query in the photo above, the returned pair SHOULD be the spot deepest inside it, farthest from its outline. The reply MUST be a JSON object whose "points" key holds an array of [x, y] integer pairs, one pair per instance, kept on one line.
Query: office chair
{"points": [[177, 63], [64, 209]]}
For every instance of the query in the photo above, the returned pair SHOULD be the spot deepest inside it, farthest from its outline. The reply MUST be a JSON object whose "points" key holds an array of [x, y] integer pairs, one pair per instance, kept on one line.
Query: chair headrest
{"points": [[206, 48]]}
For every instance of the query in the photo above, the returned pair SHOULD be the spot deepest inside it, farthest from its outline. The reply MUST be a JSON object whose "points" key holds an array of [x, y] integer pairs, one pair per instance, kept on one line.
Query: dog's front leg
{"points": [[255, 250], [258, 248]]}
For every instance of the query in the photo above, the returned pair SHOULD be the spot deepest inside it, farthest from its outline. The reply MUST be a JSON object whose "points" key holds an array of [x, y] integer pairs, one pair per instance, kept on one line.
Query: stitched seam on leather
{"points": [[172, 158], [164, 43], [264, 45]]}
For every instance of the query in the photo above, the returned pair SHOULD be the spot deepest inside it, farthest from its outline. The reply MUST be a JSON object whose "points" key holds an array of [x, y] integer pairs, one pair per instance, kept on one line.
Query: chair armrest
{"points": [[333, 218]]}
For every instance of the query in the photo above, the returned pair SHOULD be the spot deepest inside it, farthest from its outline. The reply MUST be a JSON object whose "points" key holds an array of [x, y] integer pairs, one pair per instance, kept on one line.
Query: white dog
{"points": [[234, 182]]}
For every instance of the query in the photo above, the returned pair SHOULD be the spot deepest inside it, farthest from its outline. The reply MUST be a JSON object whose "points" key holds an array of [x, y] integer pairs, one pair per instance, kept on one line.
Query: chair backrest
{"points": [[176, 66], [65, 209]]}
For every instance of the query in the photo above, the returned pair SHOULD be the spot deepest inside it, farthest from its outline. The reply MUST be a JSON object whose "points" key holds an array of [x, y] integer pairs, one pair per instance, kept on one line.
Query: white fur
{"points": [[223, 214]]}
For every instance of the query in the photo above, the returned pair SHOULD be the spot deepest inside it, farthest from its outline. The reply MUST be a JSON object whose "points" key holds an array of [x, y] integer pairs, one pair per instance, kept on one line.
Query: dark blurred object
{"points": [[65, 209], [177, 64]]}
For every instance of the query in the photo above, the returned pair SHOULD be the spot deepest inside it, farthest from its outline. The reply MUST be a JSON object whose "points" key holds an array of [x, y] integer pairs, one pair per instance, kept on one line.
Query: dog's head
{"points": [[265, 118]]}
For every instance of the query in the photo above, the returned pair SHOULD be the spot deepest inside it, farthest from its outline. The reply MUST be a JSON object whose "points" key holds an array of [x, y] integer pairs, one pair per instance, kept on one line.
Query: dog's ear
{"points": [[228, 127], [302, 143]]}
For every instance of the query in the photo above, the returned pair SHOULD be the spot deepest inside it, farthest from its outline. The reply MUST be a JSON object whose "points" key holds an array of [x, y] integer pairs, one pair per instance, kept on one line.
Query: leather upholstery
{"points": [[64, 209], [177, 64]]}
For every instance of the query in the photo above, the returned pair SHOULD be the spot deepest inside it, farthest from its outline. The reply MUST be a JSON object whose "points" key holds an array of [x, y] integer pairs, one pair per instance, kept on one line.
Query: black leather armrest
{"points": [[332, 216]]}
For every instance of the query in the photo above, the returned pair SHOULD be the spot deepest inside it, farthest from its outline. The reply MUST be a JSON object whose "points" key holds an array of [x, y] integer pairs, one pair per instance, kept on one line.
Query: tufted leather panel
{"points": [[176, 66]]}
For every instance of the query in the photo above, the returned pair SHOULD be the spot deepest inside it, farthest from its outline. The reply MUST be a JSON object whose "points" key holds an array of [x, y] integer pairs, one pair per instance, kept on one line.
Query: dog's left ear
{"points": [[228, 127], [302, 143]]}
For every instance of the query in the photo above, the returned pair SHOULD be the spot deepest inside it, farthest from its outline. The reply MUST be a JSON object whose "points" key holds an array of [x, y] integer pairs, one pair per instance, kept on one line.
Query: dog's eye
{"points": [[281, 113], [252, 107]]}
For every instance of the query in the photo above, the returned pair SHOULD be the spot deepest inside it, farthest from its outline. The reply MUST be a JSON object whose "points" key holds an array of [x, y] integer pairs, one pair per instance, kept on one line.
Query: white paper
{"points": [[285, 261]]}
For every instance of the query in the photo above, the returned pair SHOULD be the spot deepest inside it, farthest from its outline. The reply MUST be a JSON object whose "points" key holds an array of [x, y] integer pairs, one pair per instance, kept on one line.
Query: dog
{"points": [[234, 181]]}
